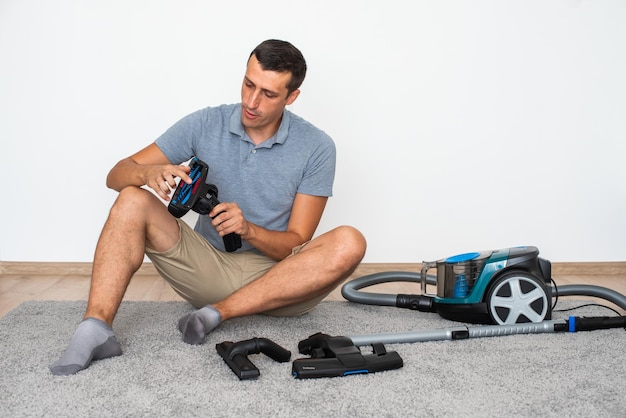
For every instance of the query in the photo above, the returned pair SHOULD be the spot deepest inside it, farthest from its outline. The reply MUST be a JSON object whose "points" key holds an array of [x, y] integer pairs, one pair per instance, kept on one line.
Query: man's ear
{"points": [[293, 96]]}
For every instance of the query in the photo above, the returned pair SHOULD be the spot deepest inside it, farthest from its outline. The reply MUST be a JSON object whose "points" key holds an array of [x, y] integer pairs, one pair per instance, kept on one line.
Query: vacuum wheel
{"points": [[517, 297]]}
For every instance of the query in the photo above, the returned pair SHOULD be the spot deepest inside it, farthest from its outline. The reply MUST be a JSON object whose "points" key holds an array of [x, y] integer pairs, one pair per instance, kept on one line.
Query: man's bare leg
{"points": [[321, 265], [136, 219]]}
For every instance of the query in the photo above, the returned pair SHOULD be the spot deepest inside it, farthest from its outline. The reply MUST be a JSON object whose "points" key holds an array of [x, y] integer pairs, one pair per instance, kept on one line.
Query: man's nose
{"points": [[253, 100]]}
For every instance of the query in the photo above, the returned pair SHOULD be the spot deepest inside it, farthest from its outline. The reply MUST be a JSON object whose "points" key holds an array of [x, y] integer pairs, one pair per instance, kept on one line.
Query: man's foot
{"points": [[196, 325], [93, 340]]}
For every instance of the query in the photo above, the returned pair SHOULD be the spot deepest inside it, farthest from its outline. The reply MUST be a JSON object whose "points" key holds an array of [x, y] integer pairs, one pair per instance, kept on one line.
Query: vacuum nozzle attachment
{"points": [[338, 356], [236, 355]]}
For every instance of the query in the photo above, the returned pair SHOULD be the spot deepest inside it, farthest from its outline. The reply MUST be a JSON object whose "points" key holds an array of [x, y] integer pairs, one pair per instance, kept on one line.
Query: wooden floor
{"points": [[20, 282]]}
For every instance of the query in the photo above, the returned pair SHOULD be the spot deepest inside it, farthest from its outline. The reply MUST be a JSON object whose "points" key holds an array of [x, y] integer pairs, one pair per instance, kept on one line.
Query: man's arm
{"points": [[151, 167], [148, 167], [305, 216]]}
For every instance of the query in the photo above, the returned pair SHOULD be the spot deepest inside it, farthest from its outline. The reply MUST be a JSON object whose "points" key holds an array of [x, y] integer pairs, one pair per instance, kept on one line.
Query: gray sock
{"points": [[196, 325], [92, 340]]}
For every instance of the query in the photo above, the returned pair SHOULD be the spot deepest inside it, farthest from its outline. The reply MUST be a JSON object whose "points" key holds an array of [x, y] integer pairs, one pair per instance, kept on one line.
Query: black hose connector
{"points": [[416, 302]]}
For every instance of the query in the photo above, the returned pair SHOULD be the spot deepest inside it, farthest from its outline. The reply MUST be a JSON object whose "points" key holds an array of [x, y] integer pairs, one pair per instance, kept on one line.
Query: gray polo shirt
{"points": [[262, 179]]}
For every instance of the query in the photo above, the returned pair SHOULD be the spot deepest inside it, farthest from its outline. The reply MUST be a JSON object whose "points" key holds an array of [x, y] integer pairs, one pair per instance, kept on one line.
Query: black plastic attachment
{"points": [[594, 323], [201, 197], [338, 356], [236, 355]]}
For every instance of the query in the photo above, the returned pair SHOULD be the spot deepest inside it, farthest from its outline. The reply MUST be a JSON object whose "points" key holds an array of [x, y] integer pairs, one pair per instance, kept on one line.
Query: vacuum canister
{"points": [[456, 275]]}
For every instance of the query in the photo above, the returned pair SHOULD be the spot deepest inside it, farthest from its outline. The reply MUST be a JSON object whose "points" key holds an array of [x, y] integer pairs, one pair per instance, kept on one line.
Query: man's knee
{"points": [[132, 201], [348, 245]]}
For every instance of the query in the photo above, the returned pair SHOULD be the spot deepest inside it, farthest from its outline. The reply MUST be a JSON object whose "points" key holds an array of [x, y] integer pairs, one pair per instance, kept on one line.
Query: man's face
{"points": [[263, 99]]}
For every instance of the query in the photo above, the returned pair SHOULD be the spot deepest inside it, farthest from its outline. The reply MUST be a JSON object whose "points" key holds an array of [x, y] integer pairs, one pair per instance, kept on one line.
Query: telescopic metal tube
{"points": [[460, 333]]}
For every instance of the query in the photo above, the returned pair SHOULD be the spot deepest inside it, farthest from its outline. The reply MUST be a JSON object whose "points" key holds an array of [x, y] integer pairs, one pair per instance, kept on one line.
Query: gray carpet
{"points": [[579, 374]]}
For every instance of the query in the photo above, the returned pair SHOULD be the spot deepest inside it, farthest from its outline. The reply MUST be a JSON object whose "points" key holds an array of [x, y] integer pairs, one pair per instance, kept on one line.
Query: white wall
{"points": [[460, 125]]}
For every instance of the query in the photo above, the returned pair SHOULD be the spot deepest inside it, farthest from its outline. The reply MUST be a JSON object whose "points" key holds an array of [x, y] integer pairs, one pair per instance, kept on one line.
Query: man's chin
{"points": [[247, 123]]}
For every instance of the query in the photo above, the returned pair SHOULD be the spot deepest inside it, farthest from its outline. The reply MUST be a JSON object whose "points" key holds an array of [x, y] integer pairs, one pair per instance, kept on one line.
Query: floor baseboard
{"points": [[147, 269]]}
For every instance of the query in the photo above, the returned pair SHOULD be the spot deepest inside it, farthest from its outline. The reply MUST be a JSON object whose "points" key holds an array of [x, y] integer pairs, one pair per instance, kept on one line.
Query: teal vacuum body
{"points": [[511, 285], [506, 286]]}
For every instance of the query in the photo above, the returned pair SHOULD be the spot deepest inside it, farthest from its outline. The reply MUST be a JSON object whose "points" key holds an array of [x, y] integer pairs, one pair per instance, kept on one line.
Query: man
{"points": [[274, 172]]}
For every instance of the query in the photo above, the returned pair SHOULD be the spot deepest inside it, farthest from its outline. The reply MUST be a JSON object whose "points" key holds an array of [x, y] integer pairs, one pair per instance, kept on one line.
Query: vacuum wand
{"points": [[572, 324]]}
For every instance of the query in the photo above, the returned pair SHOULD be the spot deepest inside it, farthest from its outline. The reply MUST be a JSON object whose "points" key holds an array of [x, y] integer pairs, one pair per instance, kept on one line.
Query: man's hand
{"points": [[148, 167], [162, 178], [305, 216], [227, 218]]}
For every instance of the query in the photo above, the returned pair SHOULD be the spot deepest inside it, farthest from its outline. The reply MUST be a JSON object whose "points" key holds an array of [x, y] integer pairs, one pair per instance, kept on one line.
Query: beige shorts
{"points": [[203, 275]]}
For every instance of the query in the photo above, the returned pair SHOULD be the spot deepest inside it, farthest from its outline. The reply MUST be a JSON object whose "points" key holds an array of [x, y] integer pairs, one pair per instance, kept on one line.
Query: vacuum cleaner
{"points": [[509, 289], [506, 286]]}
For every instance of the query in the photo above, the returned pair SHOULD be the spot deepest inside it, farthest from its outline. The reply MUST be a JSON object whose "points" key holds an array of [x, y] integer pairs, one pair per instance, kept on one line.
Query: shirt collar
{"points": [[237, 128]]}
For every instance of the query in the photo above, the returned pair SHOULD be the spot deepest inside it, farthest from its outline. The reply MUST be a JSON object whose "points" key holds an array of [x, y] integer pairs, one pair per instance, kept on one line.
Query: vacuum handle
{"points": [[426, 265], [594, 323], [232, 242]]}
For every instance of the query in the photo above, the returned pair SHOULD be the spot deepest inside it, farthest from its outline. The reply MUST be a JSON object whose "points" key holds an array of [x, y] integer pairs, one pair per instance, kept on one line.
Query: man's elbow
{"points": [[110, 181]]}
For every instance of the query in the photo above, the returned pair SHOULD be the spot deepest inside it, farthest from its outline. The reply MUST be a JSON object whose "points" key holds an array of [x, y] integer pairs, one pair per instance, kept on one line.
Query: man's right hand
{"points": [[148, 167], [162, 178]]}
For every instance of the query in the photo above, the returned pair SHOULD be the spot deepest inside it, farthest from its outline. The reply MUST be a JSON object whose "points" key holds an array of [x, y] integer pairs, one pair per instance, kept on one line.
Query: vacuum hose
{"points": [[590, 290], [351, 292]]}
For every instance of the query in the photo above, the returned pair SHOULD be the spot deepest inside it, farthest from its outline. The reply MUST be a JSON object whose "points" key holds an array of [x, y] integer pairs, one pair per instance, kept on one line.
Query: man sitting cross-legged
{"points": [[274, 172]]}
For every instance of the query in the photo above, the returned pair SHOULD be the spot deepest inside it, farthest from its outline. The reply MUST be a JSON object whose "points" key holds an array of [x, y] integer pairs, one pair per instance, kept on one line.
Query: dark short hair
{"points": [[282, 57]]}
